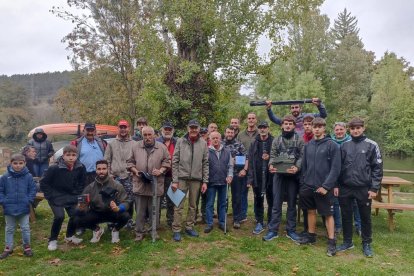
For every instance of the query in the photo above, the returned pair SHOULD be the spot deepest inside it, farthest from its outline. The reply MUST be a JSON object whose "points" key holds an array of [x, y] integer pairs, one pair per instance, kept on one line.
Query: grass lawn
{"points": [[237, 253]]}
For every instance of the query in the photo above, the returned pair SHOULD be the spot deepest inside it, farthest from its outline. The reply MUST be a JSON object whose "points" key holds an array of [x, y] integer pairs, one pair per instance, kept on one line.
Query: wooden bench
{"points": [[392, 208], [39, 197]]}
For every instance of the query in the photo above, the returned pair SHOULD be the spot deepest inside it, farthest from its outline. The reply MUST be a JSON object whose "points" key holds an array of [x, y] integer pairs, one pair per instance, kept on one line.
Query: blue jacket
{"points": [[17, 192]]}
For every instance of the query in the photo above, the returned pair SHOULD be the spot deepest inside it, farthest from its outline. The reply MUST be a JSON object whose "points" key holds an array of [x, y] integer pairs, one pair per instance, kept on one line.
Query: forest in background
{"points": [[177, 60]]}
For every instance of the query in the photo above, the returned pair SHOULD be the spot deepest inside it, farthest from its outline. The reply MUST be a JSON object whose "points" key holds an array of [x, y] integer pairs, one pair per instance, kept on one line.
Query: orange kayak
{"points": [[74, 129]]}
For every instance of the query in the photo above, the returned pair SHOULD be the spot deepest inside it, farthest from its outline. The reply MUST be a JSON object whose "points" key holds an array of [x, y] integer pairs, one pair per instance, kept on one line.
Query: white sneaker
{"points": [[97, 235], [115, 236], [73, 239], [52, 245]]}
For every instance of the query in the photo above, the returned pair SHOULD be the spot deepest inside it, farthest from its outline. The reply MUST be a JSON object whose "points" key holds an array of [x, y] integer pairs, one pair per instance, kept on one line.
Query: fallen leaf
{"points": [[56, 261]]}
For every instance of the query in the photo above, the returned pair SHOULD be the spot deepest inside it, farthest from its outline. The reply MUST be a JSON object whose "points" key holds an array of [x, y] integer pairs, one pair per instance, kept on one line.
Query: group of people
{"points": [[96, 182]]}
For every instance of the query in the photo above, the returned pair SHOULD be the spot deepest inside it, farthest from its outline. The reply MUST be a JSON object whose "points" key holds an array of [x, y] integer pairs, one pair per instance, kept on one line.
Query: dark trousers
{"points": [[284, 185], [259, 203], [201, 209], [59, 217], [238, 186], [127, 184], [170, 204], [90, 177], [346, 197], [92, 218]]}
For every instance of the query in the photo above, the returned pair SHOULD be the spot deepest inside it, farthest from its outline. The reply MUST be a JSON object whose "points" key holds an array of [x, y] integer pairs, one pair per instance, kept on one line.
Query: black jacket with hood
{"points": [[44, 148]]}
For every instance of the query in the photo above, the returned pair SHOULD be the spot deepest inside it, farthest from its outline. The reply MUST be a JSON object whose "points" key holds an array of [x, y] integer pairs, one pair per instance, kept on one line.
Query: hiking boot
{"points": [[115, 236], [139, 237], [366, 248], [177, 236], [96, 237], [345, 246], [73, 239], [270, 236], [292, 235], [52, 245], [27, 251], [191, 232], [309, 238], [331, 251], [258, 229], [7, 251], [208, 229], [236, 225]]}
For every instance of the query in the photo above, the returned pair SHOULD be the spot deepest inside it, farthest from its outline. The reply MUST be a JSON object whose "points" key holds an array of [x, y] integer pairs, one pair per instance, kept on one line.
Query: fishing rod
{"points": [[263, 103]]}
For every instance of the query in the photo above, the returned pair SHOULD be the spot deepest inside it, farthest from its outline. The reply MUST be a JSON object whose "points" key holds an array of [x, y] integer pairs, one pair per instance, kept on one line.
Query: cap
{"points": [[203, 130], [263, 124], [167, 124], [193, 123], [89, 125], [123, 123]]}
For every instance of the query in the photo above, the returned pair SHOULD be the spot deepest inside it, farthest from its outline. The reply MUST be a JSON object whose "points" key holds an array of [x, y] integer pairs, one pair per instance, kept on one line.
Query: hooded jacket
{"points": [[190, 160], [361, 164], [97, 203], [44, 148], [254, 156], [321, 164], [62, 186], [17, 191]]}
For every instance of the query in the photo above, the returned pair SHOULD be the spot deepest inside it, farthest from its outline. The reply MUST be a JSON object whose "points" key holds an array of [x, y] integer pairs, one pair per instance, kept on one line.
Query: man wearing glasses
{"points": [[296, 111]]}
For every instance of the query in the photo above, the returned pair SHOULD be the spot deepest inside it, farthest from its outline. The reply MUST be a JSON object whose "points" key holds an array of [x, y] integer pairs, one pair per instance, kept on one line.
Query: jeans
{"points": [[282, 185], [59, 217], [244, 197], [11, 221], [337, 214], [39, 169], [357, 217], [346, 199], [236, 197], [212, 190]]}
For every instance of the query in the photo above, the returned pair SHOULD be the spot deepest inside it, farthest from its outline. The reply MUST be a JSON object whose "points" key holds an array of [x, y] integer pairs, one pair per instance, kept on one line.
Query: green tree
{"points": [[345, 25]]}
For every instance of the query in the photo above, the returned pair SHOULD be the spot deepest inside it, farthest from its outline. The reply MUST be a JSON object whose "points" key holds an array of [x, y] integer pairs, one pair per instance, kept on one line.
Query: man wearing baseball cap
{"points": [[117, 152], [189, 170]]}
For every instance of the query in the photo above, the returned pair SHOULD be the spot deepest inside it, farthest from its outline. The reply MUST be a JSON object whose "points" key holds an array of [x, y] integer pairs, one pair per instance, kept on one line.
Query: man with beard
{"points": [[107, 202], [44, 150], [246, 137], [168, 139], [189, 170], [360, 180], [296, 111], [235, 124], [321, 167], [238, 184], [91, 148], [117, 153], [286, 151], [148, 158], [259, 176]]}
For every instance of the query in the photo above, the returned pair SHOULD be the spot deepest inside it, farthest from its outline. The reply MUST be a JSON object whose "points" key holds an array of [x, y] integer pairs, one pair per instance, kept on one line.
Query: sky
{"points": [[30, 40]]}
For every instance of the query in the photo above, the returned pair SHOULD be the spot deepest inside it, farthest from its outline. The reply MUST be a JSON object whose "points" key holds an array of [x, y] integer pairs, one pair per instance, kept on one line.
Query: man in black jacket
{"points": [[360, 179], [259, 176], [321, 166]]}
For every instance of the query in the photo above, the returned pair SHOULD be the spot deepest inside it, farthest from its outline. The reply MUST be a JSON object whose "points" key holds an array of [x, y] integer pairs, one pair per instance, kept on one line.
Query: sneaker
{"points": [[331, 251], [366, 248], [309, 238], [270, 236], [7, 251], [292, 235], [115, 236], [97, 235], [177, 236], [73, 239], [302, 234], [243, 220], [258, 229], [27, 251], [130, 225], [345, 246], [208, 229], [191, 232], [52, 245], [236, 225]]}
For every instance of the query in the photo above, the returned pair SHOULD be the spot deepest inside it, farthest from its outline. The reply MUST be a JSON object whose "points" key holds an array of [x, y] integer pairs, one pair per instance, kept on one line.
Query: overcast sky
{"points": [[30, 40]]}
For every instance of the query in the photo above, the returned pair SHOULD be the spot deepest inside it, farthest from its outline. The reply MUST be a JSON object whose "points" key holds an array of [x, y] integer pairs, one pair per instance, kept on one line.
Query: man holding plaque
{"points": [[285, 162]]}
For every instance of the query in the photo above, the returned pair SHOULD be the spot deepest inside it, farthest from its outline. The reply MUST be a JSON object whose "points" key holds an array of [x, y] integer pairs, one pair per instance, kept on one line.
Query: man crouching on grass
{"points": [[321, 166], [107, 201]]}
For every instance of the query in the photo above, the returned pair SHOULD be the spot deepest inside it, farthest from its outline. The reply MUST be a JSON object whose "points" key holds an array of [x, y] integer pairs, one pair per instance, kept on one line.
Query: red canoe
{"points": [[74, 129]]}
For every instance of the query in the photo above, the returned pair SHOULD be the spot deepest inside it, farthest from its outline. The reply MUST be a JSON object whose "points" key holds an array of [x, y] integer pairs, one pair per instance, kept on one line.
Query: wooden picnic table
{"points": [[388, 182]]}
